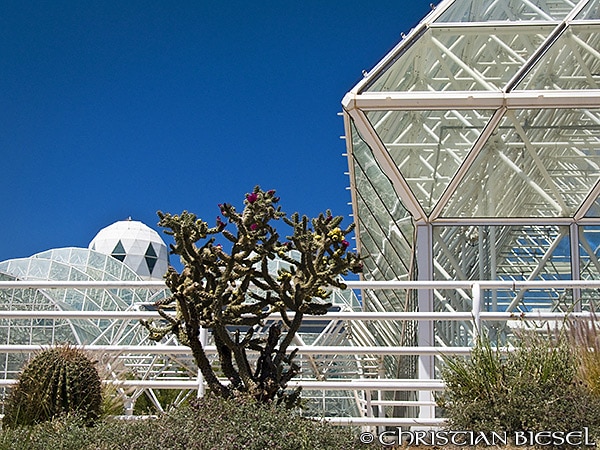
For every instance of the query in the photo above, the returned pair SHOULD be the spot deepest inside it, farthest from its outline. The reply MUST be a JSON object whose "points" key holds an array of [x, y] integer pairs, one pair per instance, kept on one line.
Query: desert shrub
{"points": [[210, 424], [533, 388], [584, 339], [58, 380]]}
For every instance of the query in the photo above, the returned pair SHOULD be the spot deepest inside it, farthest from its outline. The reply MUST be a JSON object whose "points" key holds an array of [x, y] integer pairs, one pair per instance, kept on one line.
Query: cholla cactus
{"points": [[58, 380], [221, 289]]}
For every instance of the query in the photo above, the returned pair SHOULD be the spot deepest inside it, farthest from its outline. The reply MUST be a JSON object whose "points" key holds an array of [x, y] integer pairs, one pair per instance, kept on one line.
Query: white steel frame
{"points": [[386, 94], [426, 417]]}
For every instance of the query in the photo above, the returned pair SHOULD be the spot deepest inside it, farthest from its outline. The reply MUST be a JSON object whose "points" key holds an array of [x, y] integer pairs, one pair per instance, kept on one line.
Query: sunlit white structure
{"points": [[87, 264], [474, 154], [130, 251], [136, 245]]}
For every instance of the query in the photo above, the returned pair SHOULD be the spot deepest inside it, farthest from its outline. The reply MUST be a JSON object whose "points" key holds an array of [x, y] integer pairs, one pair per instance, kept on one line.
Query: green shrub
{"points": [[211, 424], [59, 380], [584, 338], [533, 388]]}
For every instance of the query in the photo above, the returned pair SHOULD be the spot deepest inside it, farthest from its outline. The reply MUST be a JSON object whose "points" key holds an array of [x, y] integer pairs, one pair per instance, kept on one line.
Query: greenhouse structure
{"points": [[474, 154], [130, 254], [474, 157]]}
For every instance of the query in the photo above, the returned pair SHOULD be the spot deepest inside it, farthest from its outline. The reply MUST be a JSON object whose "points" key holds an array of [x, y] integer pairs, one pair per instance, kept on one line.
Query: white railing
{"points": [[475, 315]]}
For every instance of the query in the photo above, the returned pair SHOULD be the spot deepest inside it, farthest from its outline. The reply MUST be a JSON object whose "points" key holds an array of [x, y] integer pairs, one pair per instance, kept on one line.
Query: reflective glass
{"points": [[462, 59], [487, 252], [572, 62], [594, 210], [510, 10], [589, 263], [428, 147], [589, 252], [538, 163], [381, 218], [590, 12]]}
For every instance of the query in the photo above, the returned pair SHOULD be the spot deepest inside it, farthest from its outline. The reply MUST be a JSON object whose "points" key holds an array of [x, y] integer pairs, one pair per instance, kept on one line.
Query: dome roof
{"points": [[136, 245]]}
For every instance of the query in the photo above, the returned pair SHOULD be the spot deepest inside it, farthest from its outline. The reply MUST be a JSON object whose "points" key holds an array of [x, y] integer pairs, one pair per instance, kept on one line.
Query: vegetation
{"points": [[56, 381], [537, 387], [211, 424], [584, 339], [227, 287]]}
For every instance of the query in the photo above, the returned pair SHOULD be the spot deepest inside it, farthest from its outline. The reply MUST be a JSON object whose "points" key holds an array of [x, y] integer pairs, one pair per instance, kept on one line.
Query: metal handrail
{"points": [[476, 315]]}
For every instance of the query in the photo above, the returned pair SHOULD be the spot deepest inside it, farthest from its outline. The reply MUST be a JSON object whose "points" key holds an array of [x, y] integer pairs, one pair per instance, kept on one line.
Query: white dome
{"points": [[136, 245]]}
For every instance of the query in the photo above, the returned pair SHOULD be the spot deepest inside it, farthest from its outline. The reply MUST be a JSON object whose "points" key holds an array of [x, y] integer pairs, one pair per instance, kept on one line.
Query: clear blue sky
{"points": [[111, 109]]}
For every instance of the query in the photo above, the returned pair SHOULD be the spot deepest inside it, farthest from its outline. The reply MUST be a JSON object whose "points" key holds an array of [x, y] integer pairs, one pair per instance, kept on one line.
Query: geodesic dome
{"points": [[68, 264], [136, 245], [79, 264]]}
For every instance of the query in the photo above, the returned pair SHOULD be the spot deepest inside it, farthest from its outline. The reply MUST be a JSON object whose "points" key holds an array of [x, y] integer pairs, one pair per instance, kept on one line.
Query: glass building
{"points": [[124, 251], [474, 154], [130, 251]]}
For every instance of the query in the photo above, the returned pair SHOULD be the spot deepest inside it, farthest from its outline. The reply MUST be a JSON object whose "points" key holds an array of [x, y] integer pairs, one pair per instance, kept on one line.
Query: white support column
{"points": [[476, 310], [203, 341], [575, 264], [425, 336]]}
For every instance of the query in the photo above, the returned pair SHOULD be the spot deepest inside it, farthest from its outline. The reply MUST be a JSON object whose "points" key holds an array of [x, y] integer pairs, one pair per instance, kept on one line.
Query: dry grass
{"points": [[584, 337], [462, 447]]}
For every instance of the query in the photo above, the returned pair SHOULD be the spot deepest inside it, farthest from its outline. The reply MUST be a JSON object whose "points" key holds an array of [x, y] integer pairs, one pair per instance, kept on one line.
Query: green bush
{"points": [[533, 388], [584, 338], [56, 381], [209, 424]]}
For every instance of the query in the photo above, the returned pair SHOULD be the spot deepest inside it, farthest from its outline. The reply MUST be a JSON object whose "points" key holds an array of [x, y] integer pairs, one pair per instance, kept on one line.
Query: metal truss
{"points": [[478, 136]]}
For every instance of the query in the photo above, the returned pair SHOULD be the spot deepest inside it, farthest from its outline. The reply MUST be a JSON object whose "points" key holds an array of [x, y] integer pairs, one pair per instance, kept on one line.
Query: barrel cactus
{"points": [[57, 380]]}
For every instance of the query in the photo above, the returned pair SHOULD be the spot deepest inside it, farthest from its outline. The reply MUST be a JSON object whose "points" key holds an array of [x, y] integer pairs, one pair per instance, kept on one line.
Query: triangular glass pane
{"points": [[509, 10], [538, 163], [382, 217], [594, 210], [572, 62], [428, 147], [150, 251], [462, 59], [119, 252], [150, 258], [589, 252], [590, 12]]}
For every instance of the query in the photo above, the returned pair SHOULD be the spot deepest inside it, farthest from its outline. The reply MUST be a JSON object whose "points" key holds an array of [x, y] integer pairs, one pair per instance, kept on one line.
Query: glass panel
{"points": [[589, 252], [462, 59], [119, 252], [594, 210], [59, 271], [428, 146], [538, 163], [113, 267], [57, 254], [511, 10], [97, 260], [572, 62], [589, 263], [386, 237], [78, 257], [382, 214], [150, 257], [590, 12], [524, 252], [38, 269]]}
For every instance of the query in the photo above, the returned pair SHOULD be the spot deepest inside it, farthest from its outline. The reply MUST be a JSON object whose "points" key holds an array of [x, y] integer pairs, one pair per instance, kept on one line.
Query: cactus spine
{"points": [[58, 380]]}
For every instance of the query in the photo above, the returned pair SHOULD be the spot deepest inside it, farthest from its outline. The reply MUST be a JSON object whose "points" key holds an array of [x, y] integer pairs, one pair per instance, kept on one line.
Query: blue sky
{"points": [[111, 109]]}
